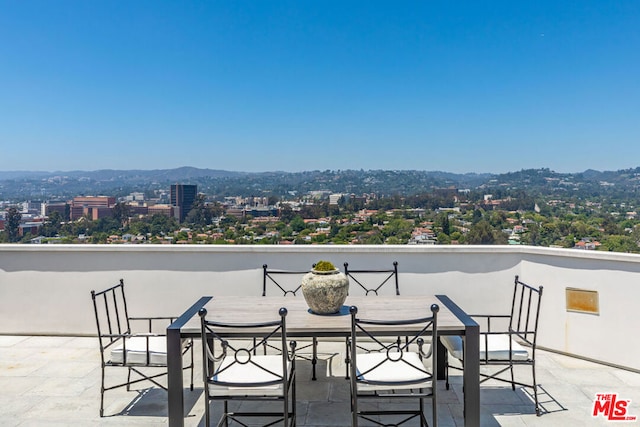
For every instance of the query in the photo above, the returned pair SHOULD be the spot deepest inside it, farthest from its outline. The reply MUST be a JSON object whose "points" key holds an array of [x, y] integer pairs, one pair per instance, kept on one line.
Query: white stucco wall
{"points": [[46, 289], [608, 336]]}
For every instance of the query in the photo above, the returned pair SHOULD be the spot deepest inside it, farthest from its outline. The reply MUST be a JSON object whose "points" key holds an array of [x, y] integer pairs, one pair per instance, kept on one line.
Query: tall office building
{"points": [[182, 198]]}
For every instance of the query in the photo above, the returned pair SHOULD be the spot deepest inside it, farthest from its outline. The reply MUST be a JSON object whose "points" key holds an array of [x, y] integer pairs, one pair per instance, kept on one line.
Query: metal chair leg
{"points": [[314, 358], [513, 384], [535, 390], [191, 350], [207, 410], [102, 394], [347, 359]]}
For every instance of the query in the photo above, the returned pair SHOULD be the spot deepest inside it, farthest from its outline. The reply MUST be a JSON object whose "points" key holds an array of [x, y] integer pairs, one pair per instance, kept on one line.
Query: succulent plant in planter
{"points": [[324, 266], [325, 288]]}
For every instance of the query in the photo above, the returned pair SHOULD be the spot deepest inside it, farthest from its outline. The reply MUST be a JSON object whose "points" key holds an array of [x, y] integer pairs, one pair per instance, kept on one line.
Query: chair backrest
{"points": [[371, 281], [372, 330], [237, 353], [286, 281], [525, 310], [112, 317]]}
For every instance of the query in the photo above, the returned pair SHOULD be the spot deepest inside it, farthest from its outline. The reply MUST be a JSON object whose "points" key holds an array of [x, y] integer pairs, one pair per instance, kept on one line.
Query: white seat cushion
{"points": [[248, 373], [498, 347], [136, 348], [410, 368]]}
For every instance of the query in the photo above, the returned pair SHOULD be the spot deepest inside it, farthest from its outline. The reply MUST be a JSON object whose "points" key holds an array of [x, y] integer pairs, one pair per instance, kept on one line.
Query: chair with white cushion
{"points": [[233, 371], [396, 370], [143, 353], [505, 340], [288, 283], [371, 282]]}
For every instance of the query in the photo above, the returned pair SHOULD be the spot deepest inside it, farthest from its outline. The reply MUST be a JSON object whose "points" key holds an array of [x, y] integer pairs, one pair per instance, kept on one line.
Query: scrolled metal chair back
{"points": [[364, 278]]}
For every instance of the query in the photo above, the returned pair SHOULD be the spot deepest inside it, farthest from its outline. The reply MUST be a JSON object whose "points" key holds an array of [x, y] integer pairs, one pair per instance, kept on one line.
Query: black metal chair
{"points": [[506, 340], [288, 282], [121, 347], [236, 372], [369, 280], [395, 370]]}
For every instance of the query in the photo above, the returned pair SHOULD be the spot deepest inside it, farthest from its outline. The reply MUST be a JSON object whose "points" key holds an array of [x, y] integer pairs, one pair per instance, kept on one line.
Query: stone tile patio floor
{"points": [[55, 381]]}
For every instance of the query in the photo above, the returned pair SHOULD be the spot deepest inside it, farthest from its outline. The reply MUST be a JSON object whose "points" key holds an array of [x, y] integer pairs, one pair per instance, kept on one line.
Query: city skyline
{"points": [[294, 86]]}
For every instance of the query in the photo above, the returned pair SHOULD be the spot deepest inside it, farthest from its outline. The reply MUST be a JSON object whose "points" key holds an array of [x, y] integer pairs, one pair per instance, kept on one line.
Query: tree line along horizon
{"points": [[542, 221]]}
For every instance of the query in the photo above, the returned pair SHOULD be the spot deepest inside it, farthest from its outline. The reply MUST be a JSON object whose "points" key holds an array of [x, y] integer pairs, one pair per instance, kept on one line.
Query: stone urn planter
{"points": [[325, 290]]}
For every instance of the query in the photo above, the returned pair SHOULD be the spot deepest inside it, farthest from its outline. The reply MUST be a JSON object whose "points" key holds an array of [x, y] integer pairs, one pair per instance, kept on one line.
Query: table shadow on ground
{"points": [[152, 402]]}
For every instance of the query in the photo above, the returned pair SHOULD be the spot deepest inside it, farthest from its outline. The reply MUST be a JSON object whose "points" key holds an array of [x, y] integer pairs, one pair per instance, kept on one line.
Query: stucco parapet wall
{"points": [[348, 249]]}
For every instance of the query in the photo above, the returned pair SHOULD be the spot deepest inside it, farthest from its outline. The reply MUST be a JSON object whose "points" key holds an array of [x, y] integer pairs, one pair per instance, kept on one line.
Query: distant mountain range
{"points": [[23, 185], [181, 173]]}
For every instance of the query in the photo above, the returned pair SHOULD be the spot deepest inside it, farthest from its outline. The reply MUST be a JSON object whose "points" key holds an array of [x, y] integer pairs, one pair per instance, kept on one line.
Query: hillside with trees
{"points": [[588, 210]]}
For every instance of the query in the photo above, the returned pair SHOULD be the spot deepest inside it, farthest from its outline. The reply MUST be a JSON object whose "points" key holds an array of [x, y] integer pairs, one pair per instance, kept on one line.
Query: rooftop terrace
{"points": [[56, 380], [49, 361]]}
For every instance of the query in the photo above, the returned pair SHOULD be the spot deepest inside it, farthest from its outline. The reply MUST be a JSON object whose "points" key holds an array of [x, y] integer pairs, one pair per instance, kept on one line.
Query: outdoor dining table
{"points": [[303, 324]]}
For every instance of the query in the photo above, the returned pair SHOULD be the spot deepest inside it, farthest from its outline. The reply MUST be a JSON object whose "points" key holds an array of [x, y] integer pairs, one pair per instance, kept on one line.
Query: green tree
{"points": [[533, 235], [477, 216], [216, 209], [393, 240], [320, 238], [609, 225], [182, 235], [443, 239], [374, 239], [317, 210], [498, 219], [199, 214], [581, 229], [398, 227], [162, 224], [51, 227], [229, 221], [100, 237], [121, 213], [105, 225], [286, 213], [482, 233], [297, 224], [616, 243], [12, 225], [442, 221], [140, 227]]}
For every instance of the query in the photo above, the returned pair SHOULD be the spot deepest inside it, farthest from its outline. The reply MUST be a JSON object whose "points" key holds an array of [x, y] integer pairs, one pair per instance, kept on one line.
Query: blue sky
{"points": [[459, 86]]}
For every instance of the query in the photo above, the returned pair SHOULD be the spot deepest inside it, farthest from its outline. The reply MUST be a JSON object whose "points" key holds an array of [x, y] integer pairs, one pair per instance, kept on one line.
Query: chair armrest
{"points": [[292, 350], [141, 335], [123, 342], [485, 320], [421, 352], [151, 320], [124, 335], [490, 316]]}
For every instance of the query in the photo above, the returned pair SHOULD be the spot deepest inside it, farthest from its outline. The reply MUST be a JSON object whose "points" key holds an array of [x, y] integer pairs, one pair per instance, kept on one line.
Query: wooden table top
{"points": [[300, 322]]}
